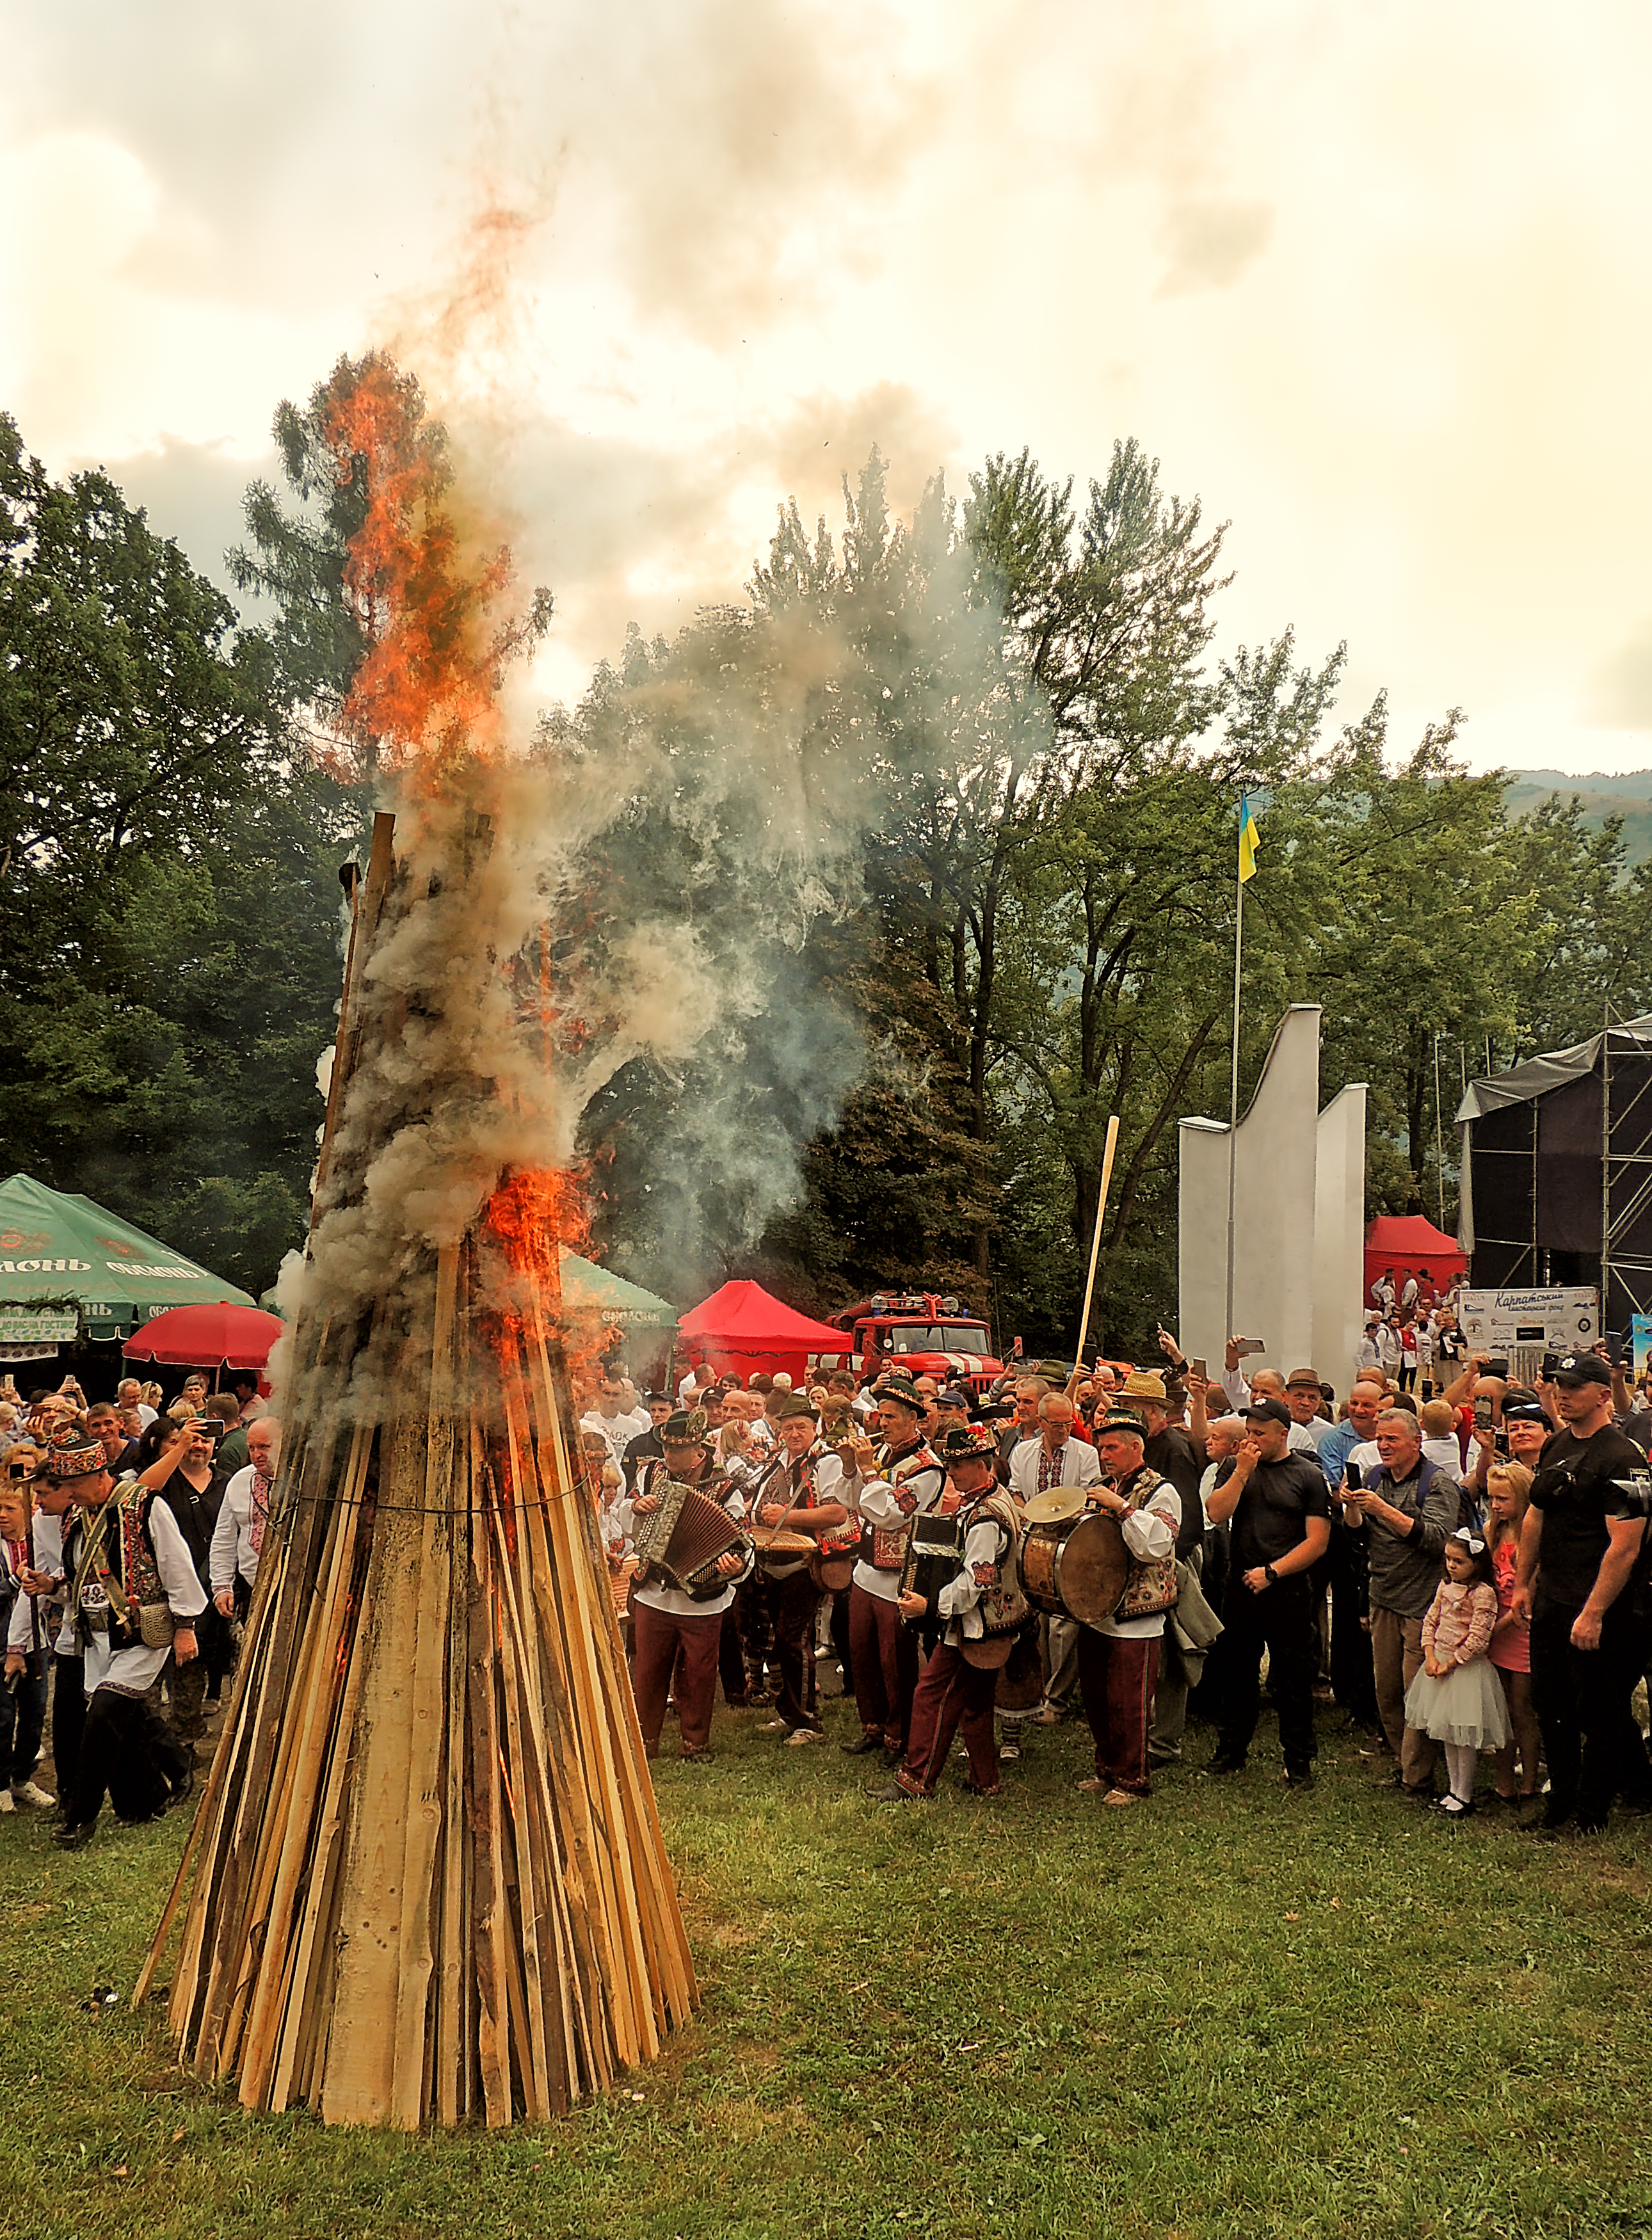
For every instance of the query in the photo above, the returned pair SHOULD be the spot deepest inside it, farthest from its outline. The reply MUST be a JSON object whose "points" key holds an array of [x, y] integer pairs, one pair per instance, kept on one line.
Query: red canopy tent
{"points": [[218, 1336], [741, 1327], [1410, 1240]]}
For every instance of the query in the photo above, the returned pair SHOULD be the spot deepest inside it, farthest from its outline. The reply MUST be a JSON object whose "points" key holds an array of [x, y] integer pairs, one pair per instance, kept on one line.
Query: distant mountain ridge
{"points": [[1626, 794]]}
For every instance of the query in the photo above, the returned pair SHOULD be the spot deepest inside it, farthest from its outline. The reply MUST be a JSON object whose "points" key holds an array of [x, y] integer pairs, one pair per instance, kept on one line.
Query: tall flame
{"points": [[428, 600], [431, 600]]}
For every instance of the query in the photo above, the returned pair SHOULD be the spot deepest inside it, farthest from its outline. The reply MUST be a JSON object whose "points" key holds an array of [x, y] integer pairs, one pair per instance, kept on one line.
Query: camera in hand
{"points": [[1635, 1492]]}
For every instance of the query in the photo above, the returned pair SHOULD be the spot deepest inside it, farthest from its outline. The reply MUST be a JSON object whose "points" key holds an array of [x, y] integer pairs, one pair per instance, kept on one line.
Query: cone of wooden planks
{"points": [[426, 1881]]}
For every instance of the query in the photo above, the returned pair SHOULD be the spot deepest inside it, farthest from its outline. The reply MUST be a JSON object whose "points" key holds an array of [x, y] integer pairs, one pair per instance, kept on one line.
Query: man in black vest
{"points": [[1583, 1533], [1119, 1656]]}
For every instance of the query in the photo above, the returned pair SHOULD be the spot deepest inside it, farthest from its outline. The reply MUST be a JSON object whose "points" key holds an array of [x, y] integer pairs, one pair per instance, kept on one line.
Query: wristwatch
{"points": [[1270, 1575]]}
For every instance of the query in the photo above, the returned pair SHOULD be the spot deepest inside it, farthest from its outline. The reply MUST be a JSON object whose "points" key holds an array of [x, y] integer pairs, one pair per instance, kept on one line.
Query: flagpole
{"points": [[1233, 1092]]}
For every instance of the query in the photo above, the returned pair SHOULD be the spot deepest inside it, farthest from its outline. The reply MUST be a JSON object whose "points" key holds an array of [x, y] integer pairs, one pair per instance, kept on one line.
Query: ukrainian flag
{"points": [[1246, 840]]}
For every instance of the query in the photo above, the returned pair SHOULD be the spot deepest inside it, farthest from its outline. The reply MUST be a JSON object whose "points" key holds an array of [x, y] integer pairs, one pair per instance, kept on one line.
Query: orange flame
{"points": [[428, 603], [534, 1213]]}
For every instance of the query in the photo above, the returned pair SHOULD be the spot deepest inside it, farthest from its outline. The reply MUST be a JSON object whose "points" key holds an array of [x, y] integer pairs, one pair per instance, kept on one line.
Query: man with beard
{"points": [[801, 1491], [895, 1481], [131, 1599], [1579, 1547], [978, 1609], [678, 1632]]}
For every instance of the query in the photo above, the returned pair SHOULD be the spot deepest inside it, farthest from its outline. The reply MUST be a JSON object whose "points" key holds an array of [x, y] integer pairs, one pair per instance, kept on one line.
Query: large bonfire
{"points": [[426, 1883]]}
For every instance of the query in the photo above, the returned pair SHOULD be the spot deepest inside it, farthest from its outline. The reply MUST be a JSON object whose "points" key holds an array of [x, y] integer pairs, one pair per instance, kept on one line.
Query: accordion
{"points": [[681, 1542], [934, 1556]]}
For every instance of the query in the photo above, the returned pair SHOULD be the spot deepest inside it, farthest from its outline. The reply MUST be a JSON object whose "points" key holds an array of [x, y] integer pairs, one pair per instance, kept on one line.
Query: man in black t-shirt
{"points": [[1578, 1550], [1280, 1505]]}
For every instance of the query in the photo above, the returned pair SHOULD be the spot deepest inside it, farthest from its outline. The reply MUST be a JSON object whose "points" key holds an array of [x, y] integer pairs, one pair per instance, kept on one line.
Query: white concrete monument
{"points": [[1299, 1217]]}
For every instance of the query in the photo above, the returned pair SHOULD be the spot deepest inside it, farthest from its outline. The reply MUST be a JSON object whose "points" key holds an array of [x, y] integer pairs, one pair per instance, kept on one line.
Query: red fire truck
{"points": [[917, 1332]]}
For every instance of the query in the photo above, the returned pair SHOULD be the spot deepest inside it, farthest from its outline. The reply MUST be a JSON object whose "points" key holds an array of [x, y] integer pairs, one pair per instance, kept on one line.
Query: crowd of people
{"points": [[130, 1536], [1459, 1565]]}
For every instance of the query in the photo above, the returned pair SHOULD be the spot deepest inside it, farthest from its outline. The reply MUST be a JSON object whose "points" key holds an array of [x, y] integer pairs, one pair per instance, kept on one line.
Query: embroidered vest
{"points": [[888, 1541], [840, 1538], [1004, 1607], [1148, 1588], [125, 1561]]}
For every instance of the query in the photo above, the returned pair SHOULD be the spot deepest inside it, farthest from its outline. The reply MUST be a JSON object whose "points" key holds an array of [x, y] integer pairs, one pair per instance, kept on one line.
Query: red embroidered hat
{"points": [[67, 1462]]}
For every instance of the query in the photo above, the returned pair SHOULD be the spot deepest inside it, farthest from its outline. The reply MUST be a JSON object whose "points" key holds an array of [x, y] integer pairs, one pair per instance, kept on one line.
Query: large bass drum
{"points": [[1076, 1567]]}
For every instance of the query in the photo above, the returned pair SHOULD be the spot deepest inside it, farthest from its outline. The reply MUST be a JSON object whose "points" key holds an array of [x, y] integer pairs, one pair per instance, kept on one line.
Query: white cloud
{"points": [[1372, 281]]}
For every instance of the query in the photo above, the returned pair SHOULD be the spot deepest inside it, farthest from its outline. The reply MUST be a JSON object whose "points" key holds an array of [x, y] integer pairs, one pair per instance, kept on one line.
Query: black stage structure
{"points": [[1556, 1175]]}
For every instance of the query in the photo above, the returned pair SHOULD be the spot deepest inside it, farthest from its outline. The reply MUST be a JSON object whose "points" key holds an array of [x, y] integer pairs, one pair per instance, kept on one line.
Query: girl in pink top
{"points": [[1457, 1697], [1508, 1485]]}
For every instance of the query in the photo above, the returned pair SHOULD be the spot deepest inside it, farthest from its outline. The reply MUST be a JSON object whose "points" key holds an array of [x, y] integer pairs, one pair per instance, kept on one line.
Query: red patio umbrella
{"points": [[220, 1336]]}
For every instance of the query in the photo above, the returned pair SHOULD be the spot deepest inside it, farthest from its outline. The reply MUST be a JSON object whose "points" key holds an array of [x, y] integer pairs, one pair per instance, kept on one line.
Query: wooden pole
{"points": [[1096, 1242]]}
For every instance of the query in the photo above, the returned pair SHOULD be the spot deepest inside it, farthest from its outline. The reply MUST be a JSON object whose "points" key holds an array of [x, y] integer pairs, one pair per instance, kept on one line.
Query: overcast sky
{"points": [[1370, 280]]}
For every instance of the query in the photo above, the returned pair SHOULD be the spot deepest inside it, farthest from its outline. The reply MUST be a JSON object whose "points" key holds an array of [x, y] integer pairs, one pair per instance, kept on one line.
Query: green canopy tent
{"points": [[610, 1296], [72, 1271]]}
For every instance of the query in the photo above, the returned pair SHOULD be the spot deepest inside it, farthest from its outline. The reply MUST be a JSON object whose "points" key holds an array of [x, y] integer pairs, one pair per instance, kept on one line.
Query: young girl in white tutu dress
{"points": [[1457, 1697]]}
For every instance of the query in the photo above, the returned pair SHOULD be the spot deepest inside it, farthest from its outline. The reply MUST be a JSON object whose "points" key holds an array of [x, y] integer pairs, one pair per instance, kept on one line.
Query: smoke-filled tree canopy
{"points": [[938, 822]]}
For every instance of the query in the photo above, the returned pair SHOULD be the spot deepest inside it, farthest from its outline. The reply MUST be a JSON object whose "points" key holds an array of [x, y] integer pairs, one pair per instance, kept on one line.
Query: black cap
{"points": [[1121, 1420], [1270, 1411], [1583, 1369]]}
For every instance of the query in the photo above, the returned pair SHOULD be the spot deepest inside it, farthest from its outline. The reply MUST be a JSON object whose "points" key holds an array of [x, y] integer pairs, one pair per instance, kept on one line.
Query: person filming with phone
{"points": [[185, 1476]]}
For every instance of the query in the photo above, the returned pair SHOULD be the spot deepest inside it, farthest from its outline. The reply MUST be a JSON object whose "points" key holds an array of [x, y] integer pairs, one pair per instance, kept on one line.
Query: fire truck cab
{"points": [[920, 1332]]}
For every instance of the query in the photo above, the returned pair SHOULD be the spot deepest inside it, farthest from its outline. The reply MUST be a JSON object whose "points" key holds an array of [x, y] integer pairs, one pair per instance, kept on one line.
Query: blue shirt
{"points": [[1335, 1449]]}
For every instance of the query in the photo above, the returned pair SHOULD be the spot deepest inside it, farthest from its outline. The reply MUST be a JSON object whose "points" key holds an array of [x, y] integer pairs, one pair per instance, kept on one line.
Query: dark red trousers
{"points": [[883, 1655], [660, 1638], [952, 1691], [1116, 1679]]}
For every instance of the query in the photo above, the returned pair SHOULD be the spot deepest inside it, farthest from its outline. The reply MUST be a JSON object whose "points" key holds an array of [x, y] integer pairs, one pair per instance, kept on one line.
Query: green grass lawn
{"points": [[1228, 2012]]}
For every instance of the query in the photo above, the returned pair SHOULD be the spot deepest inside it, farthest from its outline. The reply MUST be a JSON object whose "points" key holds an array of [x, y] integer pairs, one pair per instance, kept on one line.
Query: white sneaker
{"points": [[26, 1792], [799, 1735], [775, 1727], [6, 1804]]}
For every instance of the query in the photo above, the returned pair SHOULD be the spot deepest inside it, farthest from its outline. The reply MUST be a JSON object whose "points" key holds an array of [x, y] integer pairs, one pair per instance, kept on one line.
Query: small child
{"points": [[1457, 1697], [1508, 1489]]}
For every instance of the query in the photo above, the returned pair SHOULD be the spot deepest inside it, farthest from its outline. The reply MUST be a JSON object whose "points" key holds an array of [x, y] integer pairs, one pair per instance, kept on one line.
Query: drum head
{"points": [[1056, 1506], [1091, 1568]]}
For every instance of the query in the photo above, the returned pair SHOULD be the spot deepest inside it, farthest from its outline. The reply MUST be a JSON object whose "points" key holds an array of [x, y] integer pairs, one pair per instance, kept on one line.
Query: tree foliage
{"points": [[169, 898], [933, 837]]}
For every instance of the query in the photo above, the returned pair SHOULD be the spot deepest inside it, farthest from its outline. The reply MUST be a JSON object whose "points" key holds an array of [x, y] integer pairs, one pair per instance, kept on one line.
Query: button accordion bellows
{"points": [[682, 1541]]}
